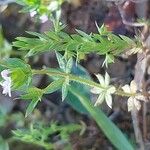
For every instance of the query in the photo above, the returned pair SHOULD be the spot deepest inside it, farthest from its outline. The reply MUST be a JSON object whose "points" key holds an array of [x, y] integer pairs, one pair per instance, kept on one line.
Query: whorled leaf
{"points": [[20, 73], [34, 94]]}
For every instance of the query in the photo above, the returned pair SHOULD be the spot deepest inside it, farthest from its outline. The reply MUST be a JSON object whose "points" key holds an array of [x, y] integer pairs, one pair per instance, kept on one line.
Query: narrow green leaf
{"points": [[53, 35], [54, 86], [69, 65], [61, 61], [109, 58], [65, 36], [109, 128], [16, 63], [33, 41], [77, 38], [33, 93], [45, 46], [102, 30], [84, 35], [18, 44], [31, 107], [42, 36], [65, 89], [72, 46], [128, 40]]}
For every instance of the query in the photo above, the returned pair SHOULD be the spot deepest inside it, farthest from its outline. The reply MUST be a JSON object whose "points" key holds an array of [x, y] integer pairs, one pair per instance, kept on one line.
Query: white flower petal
{"points": [[137, 104], [111, 90], [96, 90], [33, 13], [6, 84], [140, 97], [100, 99], [101, 79], [5, 74], [130, 103], [107, 79], [108, 98], [53, 5], [43, 18], [126, 88], [133, 86]]}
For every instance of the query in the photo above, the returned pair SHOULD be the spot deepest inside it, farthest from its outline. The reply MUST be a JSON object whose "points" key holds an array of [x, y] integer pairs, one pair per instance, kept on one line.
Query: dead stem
{"points": [[140, 69], [144, 121], [137, 131], [133, 24]]}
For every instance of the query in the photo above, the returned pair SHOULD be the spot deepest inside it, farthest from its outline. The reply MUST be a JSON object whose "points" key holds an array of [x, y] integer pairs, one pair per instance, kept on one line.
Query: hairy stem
{"points": [[75, 78]]}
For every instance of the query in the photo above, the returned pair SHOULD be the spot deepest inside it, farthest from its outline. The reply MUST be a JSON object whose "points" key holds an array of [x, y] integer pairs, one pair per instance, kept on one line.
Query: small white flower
{"points": [[104, 92], [6, 84], [43, 18], [133, 101], [53, 6], [33, 13]]}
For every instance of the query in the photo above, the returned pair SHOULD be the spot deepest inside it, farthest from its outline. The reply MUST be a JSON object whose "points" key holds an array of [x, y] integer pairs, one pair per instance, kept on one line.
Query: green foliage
{"points": [[35, 95], [16, 63], [104, 43], [20, 73], [58, 83], [54, 86], [65, 88], [66, 67], [40, 134]]}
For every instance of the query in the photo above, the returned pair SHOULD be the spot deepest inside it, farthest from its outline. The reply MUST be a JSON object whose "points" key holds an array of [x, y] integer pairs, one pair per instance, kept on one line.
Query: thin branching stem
{"points": [[77, 79]]}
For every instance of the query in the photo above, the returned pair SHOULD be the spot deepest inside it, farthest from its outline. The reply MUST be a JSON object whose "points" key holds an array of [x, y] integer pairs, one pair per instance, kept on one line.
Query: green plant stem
{"points": [[77, 79]]}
